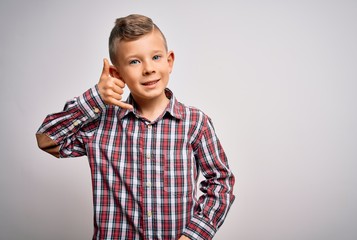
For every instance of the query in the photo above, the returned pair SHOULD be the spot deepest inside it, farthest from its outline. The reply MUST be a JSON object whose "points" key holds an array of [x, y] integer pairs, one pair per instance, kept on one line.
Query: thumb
{"points": [[105, 70]]}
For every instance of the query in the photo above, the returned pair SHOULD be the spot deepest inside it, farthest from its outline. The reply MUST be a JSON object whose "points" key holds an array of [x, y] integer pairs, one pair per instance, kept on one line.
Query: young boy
{"points": [[145, 154]]}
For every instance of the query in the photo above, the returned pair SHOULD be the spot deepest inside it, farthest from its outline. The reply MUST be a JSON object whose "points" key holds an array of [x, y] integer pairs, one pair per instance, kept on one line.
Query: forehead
{"points": [[147, 43]]}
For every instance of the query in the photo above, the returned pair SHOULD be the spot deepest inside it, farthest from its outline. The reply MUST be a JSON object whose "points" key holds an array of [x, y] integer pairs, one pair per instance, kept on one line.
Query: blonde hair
{"points": [[130, 28]]}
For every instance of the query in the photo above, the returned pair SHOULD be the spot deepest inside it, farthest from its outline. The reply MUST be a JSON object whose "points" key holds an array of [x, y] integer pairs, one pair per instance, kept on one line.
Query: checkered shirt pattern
{"points": [[144, 174]]}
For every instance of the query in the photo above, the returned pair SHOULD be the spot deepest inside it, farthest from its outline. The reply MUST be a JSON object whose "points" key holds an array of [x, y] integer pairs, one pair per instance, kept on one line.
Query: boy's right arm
{"points": [[64, 134]]}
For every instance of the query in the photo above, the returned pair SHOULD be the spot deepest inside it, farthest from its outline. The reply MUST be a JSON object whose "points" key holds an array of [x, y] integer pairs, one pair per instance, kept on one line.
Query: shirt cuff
{"points": [[91, 103], [199, 229]]}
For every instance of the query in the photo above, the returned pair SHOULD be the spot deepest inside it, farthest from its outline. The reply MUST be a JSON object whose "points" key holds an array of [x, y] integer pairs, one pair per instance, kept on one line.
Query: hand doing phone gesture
{"points": [[111, 89]]}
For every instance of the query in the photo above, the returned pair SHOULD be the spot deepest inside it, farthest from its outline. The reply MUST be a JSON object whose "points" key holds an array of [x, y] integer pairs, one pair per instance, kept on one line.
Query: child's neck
{"points": [[152, 109]]}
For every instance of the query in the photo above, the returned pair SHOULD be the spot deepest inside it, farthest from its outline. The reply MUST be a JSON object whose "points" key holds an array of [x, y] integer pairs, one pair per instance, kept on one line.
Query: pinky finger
{"points": [[122, 104]]}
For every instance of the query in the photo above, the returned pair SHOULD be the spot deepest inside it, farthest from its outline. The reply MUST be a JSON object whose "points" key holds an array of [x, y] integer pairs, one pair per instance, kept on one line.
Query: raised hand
{"points": [[111, 89]]}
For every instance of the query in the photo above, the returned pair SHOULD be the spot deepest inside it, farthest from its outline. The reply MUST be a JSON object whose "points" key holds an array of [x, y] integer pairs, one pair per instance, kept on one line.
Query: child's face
{"points": [[144, 65]]}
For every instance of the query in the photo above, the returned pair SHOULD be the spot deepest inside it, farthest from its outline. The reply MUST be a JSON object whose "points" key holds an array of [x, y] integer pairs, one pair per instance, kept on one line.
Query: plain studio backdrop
{"points": [[278, 78]]}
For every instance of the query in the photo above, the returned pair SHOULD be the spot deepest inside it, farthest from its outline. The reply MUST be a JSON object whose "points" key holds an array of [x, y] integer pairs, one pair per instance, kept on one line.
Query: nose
{"points": [[148, 68]]}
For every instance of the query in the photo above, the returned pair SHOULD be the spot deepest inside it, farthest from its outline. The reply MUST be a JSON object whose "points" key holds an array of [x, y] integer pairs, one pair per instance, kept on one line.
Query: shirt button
{"points": [[76, 123], [96, 110], [148, 184], [149, 126], [149, 214], [148, 158]]}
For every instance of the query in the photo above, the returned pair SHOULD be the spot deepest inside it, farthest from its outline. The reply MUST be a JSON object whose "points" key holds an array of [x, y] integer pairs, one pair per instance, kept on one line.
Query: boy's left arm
{"points": [[217, 187]]}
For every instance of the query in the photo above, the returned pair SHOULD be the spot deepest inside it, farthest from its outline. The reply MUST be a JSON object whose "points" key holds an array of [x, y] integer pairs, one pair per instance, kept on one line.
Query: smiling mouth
{"points": [[149, 83]]}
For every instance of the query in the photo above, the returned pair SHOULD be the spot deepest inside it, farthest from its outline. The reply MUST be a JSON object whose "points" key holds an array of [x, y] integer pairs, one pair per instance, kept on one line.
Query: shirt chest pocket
{"points": [[178, 173]]}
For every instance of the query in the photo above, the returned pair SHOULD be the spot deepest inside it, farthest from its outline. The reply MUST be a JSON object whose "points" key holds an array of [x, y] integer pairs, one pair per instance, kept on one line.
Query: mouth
{"points": [[151, 83]]}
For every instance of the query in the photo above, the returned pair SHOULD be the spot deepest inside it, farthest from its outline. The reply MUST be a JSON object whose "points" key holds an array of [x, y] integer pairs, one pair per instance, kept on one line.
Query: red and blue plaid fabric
{"points": [[144, 174]]}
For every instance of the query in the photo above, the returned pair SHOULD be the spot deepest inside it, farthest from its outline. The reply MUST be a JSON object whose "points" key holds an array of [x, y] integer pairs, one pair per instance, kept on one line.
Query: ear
{"points": [[170, 60], [113, 71]]}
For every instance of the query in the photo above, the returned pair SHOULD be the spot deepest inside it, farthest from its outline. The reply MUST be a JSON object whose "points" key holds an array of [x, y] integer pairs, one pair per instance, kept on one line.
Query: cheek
{"points": [[131, 74], [168, 67]]}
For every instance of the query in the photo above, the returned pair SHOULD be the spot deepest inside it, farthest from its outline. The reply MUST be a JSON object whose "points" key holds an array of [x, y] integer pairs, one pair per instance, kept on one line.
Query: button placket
{"points": [[148, 176]]}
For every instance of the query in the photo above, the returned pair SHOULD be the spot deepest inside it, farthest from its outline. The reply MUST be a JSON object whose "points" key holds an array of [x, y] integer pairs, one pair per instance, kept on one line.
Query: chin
{"points": [[155, 93]]}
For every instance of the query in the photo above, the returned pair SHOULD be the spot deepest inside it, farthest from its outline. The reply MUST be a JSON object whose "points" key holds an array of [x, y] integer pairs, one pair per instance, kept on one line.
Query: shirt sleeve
{"points": [[217, 187], [64, 134]]}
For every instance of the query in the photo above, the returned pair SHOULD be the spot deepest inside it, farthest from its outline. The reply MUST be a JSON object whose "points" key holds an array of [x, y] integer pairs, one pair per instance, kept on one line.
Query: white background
{"points": [[278, 78]]}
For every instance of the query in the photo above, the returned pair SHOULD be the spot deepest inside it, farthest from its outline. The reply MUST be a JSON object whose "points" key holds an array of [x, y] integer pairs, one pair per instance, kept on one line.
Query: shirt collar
{"points": [[174, 108]]}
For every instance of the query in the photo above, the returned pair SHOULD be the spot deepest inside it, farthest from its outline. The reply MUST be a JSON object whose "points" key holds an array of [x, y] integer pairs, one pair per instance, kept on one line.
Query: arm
{"points": [[64, 134], [217, 187]]}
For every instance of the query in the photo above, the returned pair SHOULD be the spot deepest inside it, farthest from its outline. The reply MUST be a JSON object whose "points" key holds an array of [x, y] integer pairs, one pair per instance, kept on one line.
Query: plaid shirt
{"points": [[144, 174]]}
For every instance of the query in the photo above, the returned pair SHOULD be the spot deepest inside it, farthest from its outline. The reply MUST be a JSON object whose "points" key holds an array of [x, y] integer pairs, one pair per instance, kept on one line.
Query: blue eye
{"points": [[156, 57], [134, 62]]}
